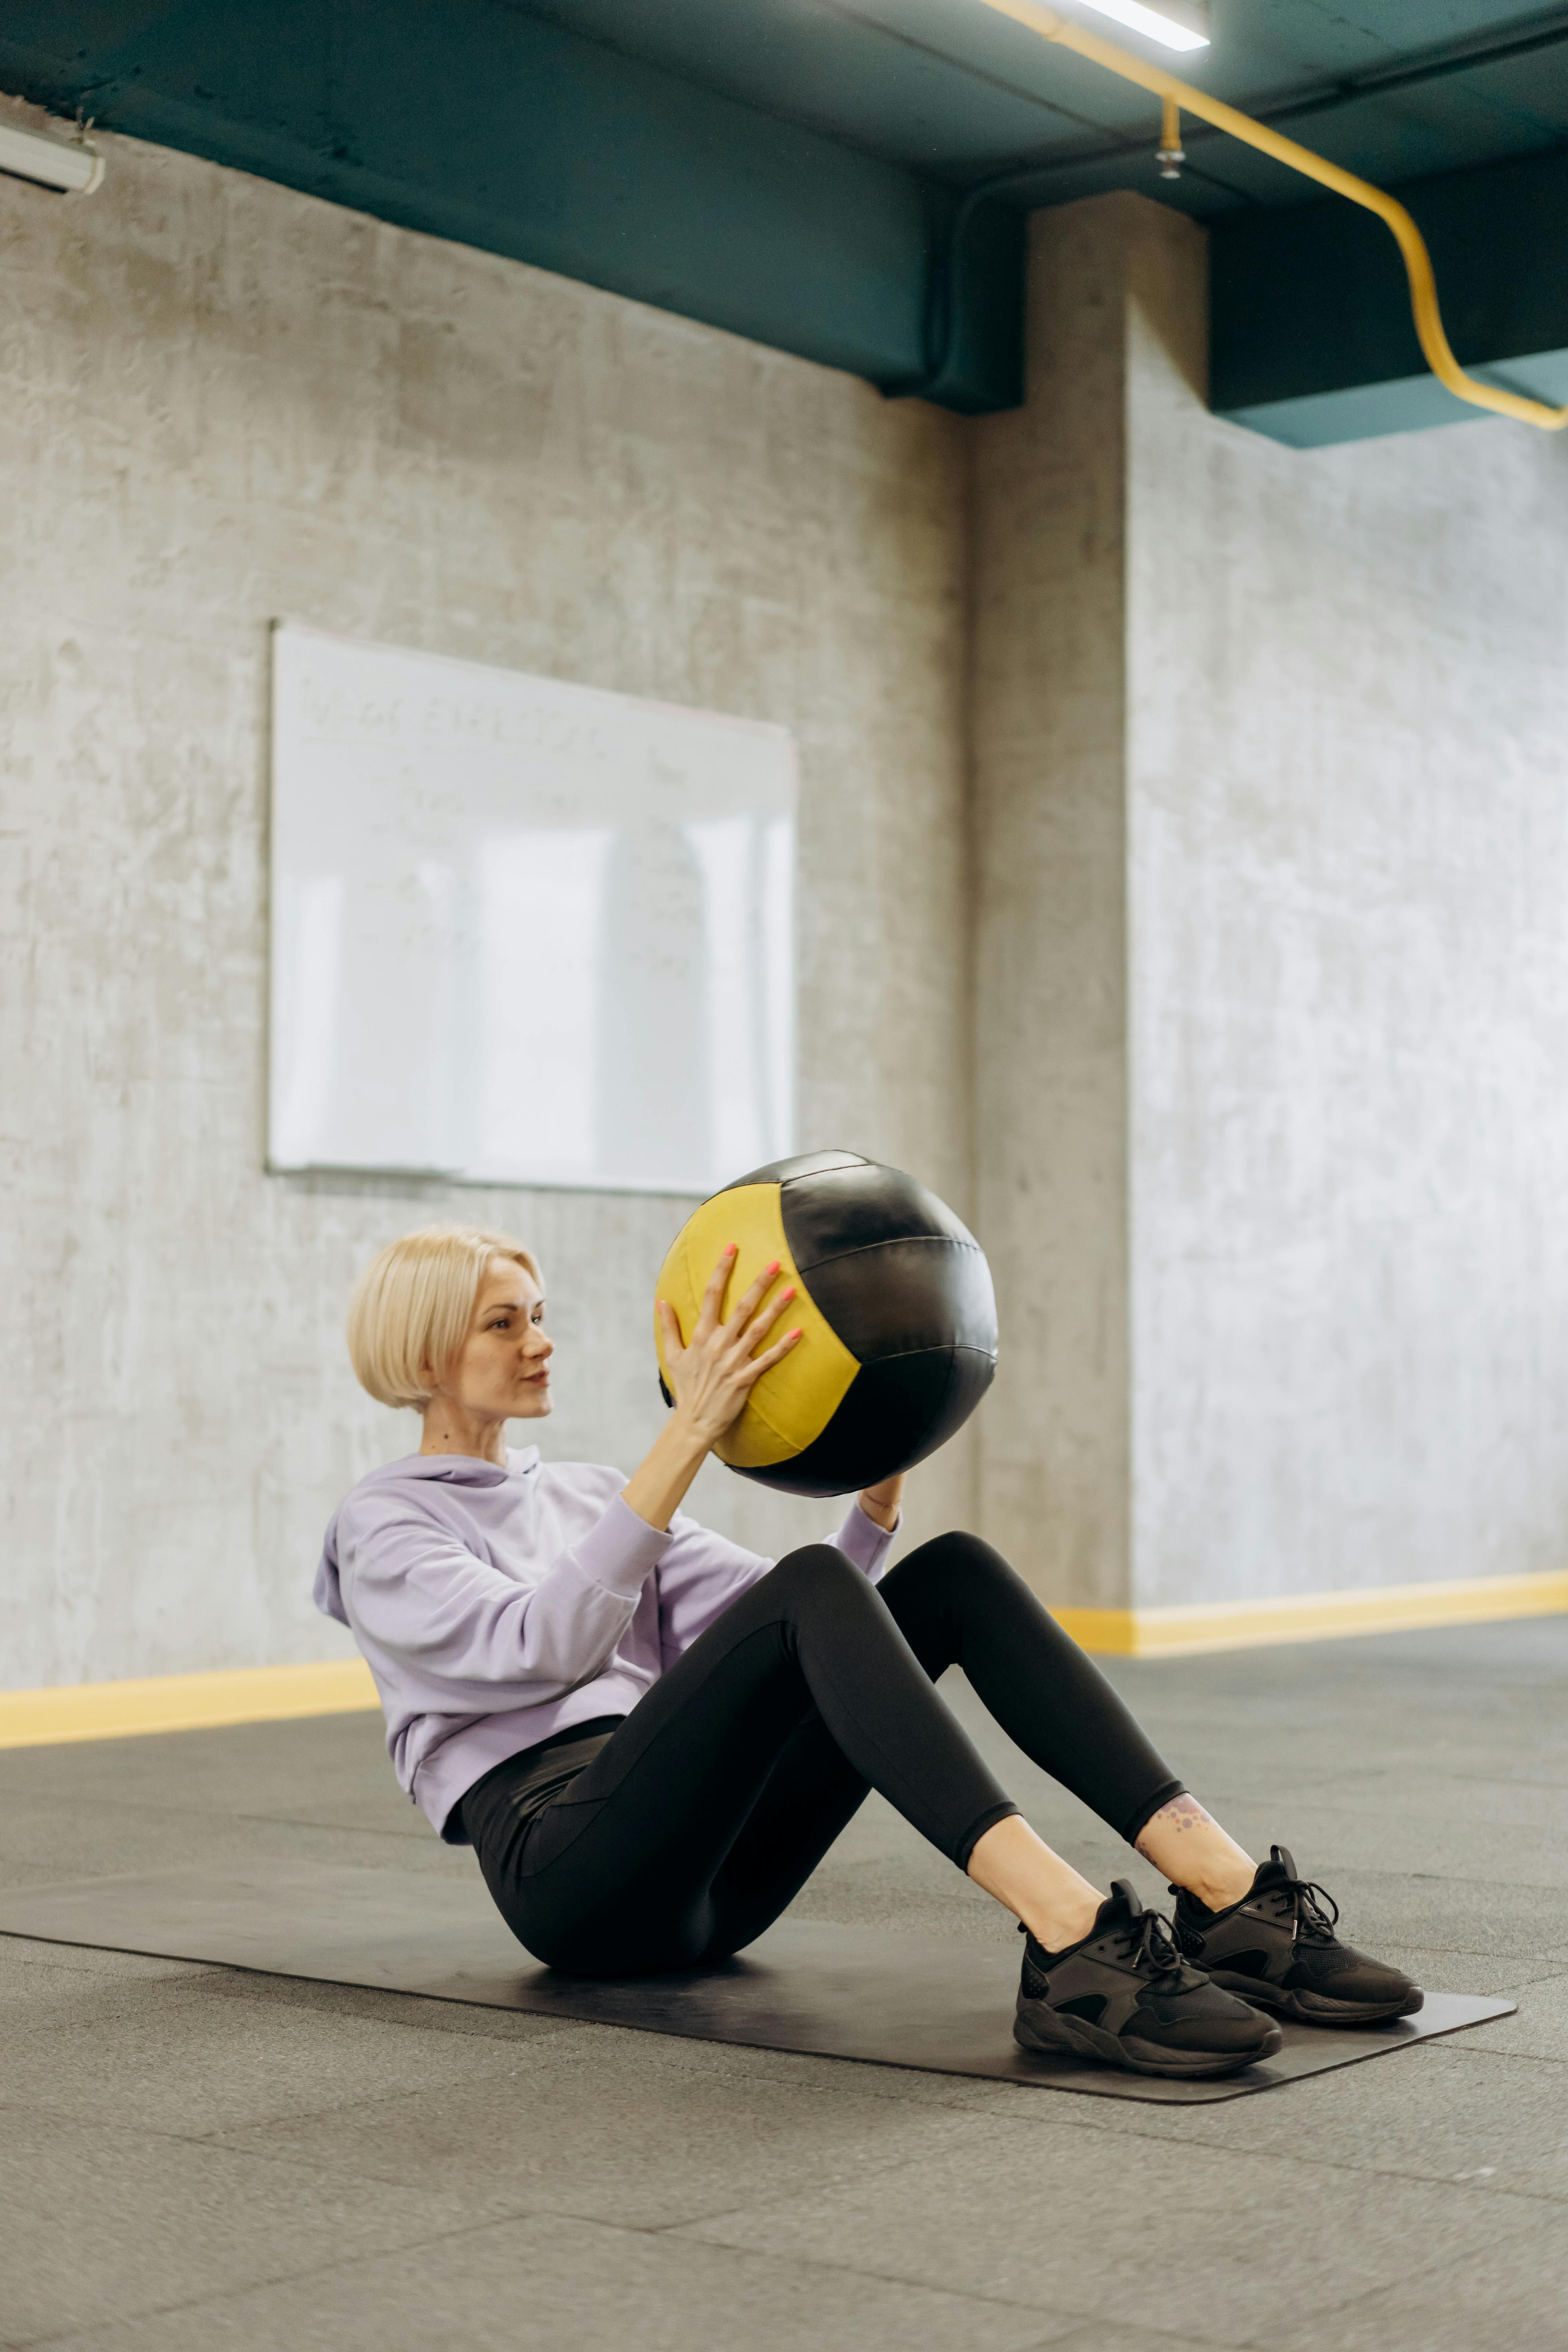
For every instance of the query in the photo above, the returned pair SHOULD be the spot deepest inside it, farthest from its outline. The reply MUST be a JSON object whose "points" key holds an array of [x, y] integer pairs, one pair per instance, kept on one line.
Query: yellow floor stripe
{"points": [[42, 1718], [1180, 1631]]}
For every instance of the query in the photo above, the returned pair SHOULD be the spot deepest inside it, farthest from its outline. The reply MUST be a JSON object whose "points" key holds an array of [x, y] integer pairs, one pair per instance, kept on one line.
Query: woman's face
{"points": [[502, 1371]]}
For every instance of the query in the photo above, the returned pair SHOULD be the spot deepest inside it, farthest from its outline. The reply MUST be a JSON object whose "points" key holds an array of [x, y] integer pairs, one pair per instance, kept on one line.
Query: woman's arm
{"points": [[420, 1600], [883, 1502], [711, 1379]]}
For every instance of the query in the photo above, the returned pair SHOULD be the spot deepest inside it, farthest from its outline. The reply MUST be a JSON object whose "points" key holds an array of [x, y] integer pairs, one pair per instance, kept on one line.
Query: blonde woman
{"points": [[651, 1737]]}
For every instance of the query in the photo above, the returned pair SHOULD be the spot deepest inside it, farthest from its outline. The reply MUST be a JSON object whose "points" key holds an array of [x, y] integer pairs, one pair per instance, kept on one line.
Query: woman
{"points": [[651, 1737]]}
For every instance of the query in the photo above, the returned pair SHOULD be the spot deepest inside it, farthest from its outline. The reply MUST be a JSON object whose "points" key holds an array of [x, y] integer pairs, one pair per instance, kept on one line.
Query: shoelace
{"points": [[1311, 1920], [1150, 1941]]}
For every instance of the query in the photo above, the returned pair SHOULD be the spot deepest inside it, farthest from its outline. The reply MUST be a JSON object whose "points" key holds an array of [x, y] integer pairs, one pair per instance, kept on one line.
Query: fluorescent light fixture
{"points": [[1178, 24], [71, 170]]}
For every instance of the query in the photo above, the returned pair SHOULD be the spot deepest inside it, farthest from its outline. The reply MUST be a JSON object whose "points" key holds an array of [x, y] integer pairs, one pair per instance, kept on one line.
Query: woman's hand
{"points": [[881, 1502], [711, 1376]]}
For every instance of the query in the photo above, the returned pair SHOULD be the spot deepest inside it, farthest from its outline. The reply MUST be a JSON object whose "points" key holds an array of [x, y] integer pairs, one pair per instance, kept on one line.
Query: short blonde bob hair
{"points": [[412, 1307]]}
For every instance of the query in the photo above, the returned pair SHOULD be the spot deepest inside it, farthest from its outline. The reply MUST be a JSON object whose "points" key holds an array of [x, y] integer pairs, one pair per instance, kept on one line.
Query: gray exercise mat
{"points": [[867, 1993]]}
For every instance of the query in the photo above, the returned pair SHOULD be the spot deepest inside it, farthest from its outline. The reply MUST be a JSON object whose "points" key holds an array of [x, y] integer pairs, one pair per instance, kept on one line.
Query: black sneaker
{"points": [[1125, 1995], [1277, 1948]]}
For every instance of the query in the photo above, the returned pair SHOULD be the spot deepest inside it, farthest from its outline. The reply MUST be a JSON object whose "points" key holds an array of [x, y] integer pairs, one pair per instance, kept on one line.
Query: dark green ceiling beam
{"points": [[1310, 333], [484, 123], [473, 121]]}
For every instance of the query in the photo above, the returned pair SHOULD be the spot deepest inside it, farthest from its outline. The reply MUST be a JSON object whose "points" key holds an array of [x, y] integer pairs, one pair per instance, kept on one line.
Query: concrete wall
{"points": [[221, 401], [1270, 855], [1274, 1074]]}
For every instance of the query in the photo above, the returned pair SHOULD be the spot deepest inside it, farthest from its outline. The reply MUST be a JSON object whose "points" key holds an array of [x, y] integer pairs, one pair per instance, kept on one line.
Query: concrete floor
{"points": [[193, 2157]]}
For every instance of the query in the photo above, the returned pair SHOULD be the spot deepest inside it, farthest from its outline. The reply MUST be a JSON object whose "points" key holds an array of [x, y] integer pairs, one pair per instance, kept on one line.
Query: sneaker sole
{"points": [[1040, 2028], [1314, 2009]]}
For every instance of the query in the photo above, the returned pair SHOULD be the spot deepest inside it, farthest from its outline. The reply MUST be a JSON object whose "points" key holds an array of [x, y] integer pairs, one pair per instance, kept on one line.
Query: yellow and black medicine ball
{"points": [[894, 1302]]}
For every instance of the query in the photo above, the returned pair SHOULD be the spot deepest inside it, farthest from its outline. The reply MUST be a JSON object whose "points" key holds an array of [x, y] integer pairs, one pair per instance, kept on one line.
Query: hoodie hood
{"points": [[447, 1469]]}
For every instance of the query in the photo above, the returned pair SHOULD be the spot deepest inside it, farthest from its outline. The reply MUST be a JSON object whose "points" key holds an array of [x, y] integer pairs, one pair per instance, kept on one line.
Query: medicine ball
{"points": [[894, 1302]]}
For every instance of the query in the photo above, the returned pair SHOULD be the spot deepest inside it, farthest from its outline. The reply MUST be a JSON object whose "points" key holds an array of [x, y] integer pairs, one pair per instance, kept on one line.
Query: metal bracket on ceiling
{"points": [[1170, 154]]}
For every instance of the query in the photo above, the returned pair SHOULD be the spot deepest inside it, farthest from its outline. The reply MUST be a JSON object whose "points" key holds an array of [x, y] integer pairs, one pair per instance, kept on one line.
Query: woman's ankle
{"points": [[1219, 1891], [1058, 1929], [1189, 1848], [1037, 1886]]}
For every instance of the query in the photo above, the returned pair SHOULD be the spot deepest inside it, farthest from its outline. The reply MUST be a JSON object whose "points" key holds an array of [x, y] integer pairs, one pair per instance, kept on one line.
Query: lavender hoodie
{"points": [[495, 1607]]}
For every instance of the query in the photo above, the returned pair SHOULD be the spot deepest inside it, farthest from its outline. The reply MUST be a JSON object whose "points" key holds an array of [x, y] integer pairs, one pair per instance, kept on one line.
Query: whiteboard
{"points": [[524, 933]]}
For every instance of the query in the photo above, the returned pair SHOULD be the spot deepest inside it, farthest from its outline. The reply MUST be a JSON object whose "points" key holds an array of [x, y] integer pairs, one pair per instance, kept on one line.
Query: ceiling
{"points": [[1392, 89], [791, 169]]}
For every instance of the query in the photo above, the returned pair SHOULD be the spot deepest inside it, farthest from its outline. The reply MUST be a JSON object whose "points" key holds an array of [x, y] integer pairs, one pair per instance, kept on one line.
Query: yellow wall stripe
{"points": [[1180, 1631], [43, 1718]]}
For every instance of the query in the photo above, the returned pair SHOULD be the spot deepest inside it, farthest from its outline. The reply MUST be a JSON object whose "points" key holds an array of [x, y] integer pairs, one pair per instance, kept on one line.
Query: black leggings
{"points": [[707, 1811]]}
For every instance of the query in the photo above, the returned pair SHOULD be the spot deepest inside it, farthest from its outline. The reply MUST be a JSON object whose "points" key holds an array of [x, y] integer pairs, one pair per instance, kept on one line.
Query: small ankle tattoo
{"points": [[1181, 1813]]}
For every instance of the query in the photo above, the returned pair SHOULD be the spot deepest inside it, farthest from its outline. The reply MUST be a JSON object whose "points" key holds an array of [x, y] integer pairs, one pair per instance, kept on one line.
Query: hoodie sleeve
{"points": [[863, 1542], [702, 1572], [418, 1599]]}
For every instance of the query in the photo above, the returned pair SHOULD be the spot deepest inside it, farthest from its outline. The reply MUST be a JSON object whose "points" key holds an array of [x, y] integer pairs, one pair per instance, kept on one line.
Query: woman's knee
{"points": [[815, 1568], [818, 1586], [956, 1560], [953, 1585]]}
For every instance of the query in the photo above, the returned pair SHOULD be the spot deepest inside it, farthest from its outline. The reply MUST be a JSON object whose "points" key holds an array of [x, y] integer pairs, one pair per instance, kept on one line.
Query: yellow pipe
{"points": [[1412, 244]]}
